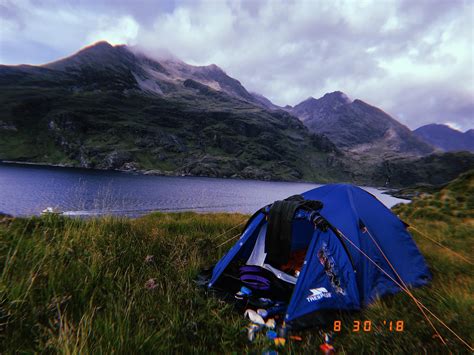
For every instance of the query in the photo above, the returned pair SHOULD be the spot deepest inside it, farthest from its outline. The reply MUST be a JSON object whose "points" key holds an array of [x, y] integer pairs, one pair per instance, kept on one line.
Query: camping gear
{"points": [[326, 347], [344, 230], [280, 217], [277, 309], [265, 302], [252, 331], [263, 282], [282, 330], [270, 323], [296, 338], [255, 277], [280, 341], [295, 262], [257, 323], [243, 293], [254, 317], [271, 334]]}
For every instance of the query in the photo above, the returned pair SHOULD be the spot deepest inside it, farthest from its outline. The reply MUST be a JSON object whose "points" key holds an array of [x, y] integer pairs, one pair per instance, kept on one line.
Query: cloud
{"points": [[38, 32], [115, 31], [412, 59], [453, 125]]}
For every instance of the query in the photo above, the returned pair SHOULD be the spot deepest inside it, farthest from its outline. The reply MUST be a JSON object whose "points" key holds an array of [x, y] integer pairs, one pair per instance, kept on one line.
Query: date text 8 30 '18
{"points": [[367, 326]]}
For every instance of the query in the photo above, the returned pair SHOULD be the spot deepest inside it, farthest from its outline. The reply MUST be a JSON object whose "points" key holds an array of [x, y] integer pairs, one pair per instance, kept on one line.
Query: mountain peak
{"points": [[440, 126], [437, 126], [309, 99], [99, 44], [214, 67], [338, 96], [446, 137], [96, 48], [358, 126], [96, 55], [333, 99]]}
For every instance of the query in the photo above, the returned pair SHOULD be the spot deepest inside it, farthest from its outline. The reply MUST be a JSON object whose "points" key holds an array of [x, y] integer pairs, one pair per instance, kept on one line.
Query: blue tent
{"points": [[358, 216]]}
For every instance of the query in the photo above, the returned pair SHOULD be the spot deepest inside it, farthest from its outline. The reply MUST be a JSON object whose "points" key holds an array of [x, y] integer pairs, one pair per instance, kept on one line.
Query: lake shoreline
{"points": [[157, 172], [404, 193], [27, 189]]}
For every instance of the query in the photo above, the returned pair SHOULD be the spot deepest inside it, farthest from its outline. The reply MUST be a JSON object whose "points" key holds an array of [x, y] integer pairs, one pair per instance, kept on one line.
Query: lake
{"points": [[27, 189]]}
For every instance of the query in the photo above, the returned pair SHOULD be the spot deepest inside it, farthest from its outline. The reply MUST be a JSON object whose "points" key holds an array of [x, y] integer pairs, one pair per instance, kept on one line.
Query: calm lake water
{"points": [[28, 189]]}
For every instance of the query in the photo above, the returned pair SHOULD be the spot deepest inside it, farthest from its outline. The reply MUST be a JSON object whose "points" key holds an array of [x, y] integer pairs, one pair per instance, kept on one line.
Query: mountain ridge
{"points": [[358, 127], [446, 138], [150, 73], [120, 110], [110, 107]]}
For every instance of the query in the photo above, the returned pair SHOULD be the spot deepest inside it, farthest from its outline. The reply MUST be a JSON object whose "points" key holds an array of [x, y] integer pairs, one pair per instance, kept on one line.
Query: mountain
{"points": [[111, 107], [359, 127], [446, 138], [433, 169], [263, 101], [158, 77]]}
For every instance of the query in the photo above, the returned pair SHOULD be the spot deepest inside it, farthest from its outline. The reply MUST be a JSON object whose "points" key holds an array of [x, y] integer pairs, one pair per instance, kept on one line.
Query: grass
{"points": [[58, 125], [79, 286]]}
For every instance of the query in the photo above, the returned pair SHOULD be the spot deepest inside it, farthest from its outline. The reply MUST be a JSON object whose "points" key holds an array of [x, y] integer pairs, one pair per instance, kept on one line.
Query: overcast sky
{"points": [[413, 59]]}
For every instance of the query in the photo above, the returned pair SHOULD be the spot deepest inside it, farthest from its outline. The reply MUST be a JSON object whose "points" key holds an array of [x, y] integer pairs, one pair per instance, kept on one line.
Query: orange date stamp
{"points": [[368, 326]]}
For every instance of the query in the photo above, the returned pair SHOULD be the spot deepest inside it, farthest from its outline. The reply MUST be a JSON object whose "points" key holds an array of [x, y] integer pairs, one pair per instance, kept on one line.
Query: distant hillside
{"points": [[446, 138], [359, 127], [435, 169], [109, 107]]}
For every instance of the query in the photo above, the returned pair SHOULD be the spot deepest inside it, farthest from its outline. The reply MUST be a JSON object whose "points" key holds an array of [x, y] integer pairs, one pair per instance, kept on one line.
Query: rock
{"points": [[130, 166], [153, 172], [172, 143], [252, 172], [116, 160], [83, 158]]}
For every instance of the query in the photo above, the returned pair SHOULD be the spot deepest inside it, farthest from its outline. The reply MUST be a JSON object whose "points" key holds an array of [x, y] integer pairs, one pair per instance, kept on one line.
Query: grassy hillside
{"points": [[95, 109], [88, 286], [111, 130], [99, 116]]}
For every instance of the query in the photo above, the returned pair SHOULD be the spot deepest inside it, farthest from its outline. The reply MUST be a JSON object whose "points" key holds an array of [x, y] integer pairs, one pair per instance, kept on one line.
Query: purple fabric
{"points": [[256, 282], [252, 277], [250, 268]]}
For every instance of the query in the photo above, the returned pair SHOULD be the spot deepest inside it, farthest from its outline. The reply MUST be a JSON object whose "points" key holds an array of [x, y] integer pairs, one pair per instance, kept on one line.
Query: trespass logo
{"points": [[317, 294]]}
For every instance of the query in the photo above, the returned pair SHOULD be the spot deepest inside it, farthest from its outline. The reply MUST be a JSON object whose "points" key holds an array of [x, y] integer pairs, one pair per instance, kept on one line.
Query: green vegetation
{"points": [[79, 286], [185, 132], [96, 115]]}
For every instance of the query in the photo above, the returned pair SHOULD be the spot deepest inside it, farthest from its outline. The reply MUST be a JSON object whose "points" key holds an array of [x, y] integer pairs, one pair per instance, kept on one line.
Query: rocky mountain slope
{"points": [[359, 127], [446, 138], [111, 108], [159, 77]]}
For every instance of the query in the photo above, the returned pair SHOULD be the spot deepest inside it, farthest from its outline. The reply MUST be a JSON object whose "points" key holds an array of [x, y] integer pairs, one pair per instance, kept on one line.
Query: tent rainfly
{"points": [[353, 249]]}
